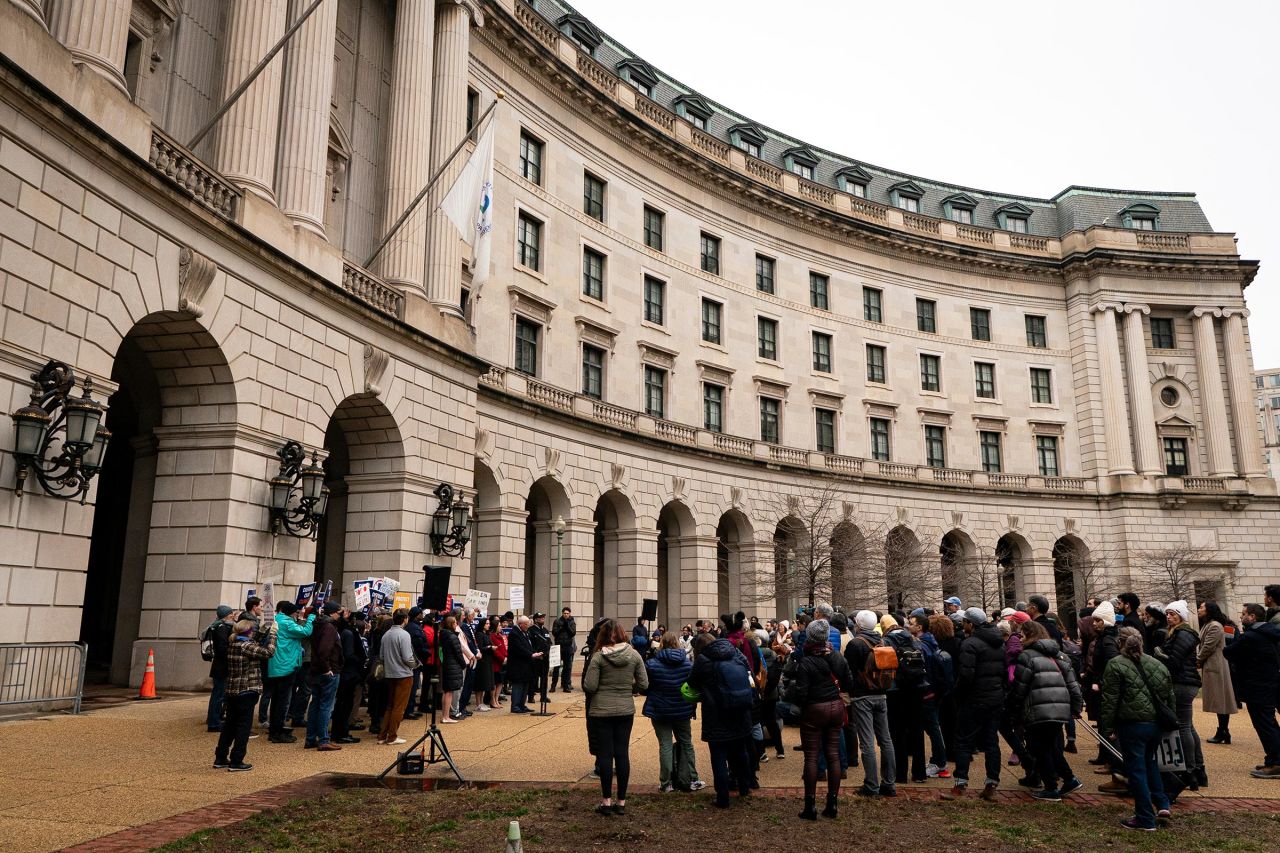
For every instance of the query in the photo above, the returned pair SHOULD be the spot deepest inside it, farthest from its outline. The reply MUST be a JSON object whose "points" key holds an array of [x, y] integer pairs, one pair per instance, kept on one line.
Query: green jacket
{"points": [[1125, 697], [611, 677], [289, 637]]}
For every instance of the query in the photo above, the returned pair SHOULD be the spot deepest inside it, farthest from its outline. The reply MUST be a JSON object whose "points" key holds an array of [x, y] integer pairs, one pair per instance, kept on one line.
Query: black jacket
{"points": [[1178, 653], [564, 632], [453, 666], [981, 673], [812, 678], [1044, 685], [719, 725], [418, 637], [855, 655], [221, 637], [1051, 625], [326, 647], [1105, 647], [354, 656], [1255, 657], [520, 662]]}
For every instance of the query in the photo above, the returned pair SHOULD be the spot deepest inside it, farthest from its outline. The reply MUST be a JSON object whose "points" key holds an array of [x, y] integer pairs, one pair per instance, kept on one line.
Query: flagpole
{"points": [[431, 182]]}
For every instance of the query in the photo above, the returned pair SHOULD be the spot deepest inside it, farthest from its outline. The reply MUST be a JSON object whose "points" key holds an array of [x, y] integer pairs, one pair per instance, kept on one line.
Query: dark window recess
{"points": [[713, 407], [935, 446], [767, 332], [592, 372], [710, 254], [593, 196], [593, 274], [980, 324], [819, 291], [769, 419], [653, 227], [880, 439], [1175, 457], [926, 315], [875, 363], [824, 422], [655, 297], [711, 312], [527, 334]]}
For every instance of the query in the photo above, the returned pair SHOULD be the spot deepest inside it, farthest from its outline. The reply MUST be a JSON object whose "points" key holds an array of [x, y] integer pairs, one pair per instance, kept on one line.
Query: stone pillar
{"points": [[304, 133], [579, 567], [1115, 419], [32, 8], [698, 589], [1213, 404], [637, 569], [95, 31], [1240, 385], [448, 124], [497, 550], [1141, 411], [403, 261], [247, 134]]}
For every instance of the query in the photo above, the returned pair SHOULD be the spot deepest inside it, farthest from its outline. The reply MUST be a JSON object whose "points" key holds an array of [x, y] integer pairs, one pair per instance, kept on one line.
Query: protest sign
{"points": [[517, 598], [306, 593], [268, 601], [553, 657], [403, 600], [362, 597], [477, 600]]}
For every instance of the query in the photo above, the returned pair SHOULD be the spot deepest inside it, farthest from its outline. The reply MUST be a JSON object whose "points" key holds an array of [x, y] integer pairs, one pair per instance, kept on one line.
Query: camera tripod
{"points": [[439, 750]]}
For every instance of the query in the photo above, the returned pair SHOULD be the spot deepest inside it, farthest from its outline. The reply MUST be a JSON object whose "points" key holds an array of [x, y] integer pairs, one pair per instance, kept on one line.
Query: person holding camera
{"points": [[248, 648]]}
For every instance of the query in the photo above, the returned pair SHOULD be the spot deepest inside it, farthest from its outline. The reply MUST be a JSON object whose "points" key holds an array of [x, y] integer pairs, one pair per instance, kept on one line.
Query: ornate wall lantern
{"points": [[450, 523], [299, 496], [60, 438]]}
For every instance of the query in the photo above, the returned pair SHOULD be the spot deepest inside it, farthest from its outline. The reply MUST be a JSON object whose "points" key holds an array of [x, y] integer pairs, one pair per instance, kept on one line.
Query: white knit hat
{"points": [[866, 620], [1179, 607], [1106, 613]]}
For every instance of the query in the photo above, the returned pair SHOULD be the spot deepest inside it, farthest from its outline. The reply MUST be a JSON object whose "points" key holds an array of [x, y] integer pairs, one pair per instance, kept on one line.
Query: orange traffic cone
{"points": [[148, 688]]}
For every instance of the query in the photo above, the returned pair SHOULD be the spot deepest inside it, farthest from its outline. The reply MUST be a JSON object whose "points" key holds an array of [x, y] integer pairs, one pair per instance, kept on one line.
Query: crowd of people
{"points": [[908, 696]]}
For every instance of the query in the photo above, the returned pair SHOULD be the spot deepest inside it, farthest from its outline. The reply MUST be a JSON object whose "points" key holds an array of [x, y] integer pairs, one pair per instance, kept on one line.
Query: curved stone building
{"points": [[710, 365]]}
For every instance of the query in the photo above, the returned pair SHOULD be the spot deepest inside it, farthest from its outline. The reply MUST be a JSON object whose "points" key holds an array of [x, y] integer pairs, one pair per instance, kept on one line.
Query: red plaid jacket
{"points": [[244, 668]]}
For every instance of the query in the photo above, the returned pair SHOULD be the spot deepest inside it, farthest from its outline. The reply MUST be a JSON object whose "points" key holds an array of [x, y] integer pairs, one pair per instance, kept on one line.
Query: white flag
{"points": [[469, 205]]}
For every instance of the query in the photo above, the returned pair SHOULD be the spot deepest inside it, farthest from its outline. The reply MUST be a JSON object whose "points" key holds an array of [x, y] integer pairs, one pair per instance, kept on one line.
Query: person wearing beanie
{"points": [[1154, 627], [219, 635], [887, 624], [817, 677], [1104, 648], [975, 616], [870, 711], [980, 692], [1179, 652], [284, 668]]}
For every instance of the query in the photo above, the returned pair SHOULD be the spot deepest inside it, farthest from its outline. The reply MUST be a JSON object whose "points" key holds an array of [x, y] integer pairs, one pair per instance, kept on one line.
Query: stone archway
{"points": [[850, 578], [547, 501], [735, 560], [791, 566], [613, 548], [677, 531], [1070, 569], [1013, 560], [957, 565]]}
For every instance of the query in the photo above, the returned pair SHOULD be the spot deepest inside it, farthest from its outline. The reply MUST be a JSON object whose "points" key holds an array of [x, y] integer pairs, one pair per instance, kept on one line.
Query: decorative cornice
{"points": [[1204, 310], [1136, 308]]}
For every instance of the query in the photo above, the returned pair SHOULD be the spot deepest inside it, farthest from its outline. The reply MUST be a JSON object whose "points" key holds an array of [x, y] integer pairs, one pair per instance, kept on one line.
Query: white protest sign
{"points": [[268, 601], [553, 657], [363, 599], [517, 598], [477, 600]]}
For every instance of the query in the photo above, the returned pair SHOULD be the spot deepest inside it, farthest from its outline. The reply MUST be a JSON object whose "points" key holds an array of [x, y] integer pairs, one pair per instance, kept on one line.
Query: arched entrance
{"points": [[906, 572], [957, 563], [734, 560], [1013, 557], [676, 557], [547, 501], [613, 514], [850, 580], [792, 566], [1070, 559]]}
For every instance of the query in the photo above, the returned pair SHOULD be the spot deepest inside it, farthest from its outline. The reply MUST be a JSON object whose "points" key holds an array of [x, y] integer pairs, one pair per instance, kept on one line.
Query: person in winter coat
{"points": [[323, 675], [1104, 647], [221, 631], [245, 654], [1179, 654], [816, 679], [1046, 694], [453, 666], [726, 726], [905, 701], [1011, 722], [354, 660], [418, 637], [1218, 695], [773, 666], [1155, 628], [945, 636], [522, 662], [1255, 654], [1131, 685], [980, 688], [669, 712], [284, 667], [870, 710], [613, 674], [564, 632]]}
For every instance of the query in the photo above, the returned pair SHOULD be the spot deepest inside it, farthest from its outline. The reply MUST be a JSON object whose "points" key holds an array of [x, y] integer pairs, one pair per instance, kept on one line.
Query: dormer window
{"points": [[959, 208], [800, 161], [853, 180], [694, 110], [747, 137], [581, 32], [639, 75], [906, 196], [1140, 217], [1013, 217]]}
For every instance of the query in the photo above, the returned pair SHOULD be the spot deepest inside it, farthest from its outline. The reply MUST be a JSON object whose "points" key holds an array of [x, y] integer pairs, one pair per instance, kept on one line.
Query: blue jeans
{"points": [[1138, 742], [324, 690], [519, 692], [216, 699], [725, 756], [978, 730], [933, 730]]}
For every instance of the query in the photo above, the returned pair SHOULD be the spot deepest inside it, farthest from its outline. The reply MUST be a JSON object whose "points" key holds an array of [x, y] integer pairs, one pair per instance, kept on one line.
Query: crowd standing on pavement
{"points": [[905, 695]]}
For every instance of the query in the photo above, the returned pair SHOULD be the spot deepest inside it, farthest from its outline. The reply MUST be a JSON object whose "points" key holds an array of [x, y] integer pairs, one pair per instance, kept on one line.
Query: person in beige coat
{"points": [[1218, 695], [613, 675]]}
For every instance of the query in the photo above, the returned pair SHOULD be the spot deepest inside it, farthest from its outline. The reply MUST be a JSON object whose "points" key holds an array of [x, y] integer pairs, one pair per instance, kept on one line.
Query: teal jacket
{"points": [[289, 637]]}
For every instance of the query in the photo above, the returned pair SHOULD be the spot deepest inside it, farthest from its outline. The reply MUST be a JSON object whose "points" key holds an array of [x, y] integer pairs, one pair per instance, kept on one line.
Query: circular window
{"points": [[1169, 396]]}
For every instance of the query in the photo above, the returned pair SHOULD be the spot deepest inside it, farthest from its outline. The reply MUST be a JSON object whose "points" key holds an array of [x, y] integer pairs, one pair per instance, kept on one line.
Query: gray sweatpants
{"points": [[871, 716]]}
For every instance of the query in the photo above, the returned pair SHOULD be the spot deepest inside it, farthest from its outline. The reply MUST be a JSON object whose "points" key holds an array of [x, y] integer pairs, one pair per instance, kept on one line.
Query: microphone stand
{"points": [[439, 750]]}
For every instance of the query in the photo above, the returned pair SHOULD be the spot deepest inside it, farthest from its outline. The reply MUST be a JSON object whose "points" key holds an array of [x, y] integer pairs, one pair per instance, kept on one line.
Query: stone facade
{"points": [[219, 295]]}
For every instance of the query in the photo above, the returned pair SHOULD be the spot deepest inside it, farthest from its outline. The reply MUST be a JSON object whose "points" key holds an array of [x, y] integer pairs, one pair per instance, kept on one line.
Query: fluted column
{"points": [[248, 133], [1240, 384], [1213, 404], [95, 31], [1115, 419], [304, 132], [1141, 411], [448, 124], [32, 8]]}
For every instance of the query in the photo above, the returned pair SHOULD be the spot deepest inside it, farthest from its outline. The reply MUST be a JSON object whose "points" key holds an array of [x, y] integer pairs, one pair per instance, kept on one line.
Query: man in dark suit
{"points": [[564, 632], [521, 663], [541, 639]]}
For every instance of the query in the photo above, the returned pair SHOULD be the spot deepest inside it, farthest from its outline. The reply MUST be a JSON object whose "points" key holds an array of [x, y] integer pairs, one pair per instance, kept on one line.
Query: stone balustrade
{"points": [[371, 290], [181, 168]]}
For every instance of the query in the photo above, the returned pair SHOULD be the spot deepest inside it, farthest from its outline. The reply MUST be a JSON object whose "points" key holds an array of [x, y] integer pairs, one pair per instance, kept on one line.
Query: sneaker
{"points": [[865, 791], [397, 741], [1071, 786], [1048, 795], [309, 745], [780, 756], [1164, 816], [221, 764], [239, 768], [347, 740], [956, 793], [666, 788], [931, 770], [988, 792], [253, 736], [764, 759], [281, 739], [1130, 823], [944, 773], [593, 775], [1014, 761], [484, 708], [1266, 773], [888, 791], [697, 785]]}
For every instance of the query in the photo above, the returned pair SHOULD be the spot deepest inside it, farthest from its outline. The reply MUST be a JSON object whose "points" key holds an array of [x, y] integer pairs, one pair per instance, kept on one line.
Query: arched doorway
{"points": [[676, 526], [613, 514], [1012, 556], [850, 580], [547, 501], [734, 560], [486, 535], [956, 563], [905, 569], [1070, 558], [792, 567]]}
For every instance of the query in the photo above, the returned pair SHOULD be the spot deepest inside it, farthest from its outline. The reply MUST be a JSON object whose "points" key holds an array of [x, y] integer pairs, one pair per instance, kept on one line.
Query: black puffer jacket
{"points": [[453, 666], [718, 725], [980, 676], [1178, 653], [1044, 685], [811, 678]]}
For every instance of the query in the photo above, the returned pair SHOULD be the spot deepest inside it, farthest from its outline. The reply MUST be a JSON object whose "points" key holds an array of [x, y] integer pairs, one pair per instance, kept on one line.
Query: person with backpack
{"points": [[816, 679], [905, 701], [213, 648], [722, 680], [248, 648], [614, 672], [670, 714], [1045, 695], [874, 666], [980, 688], [1255, 654], [940, 669]]}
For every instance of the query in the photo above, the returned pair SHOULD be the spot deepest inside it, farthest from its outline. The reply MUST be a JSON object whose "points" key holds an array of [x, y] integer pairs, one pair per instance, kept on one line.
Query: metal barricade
{"points": [[38, 673]]}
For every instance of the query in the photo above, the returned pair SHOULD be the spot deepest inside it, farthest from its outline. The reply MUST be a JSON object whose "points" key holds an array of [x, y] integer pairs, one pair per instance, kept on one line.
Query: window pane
{"points": [[529, 235], [1041, 385], [821, 352], [530, 158], [980, 324], [1175, 457], [875, 363], [655, 391], [710, 254], [872, 305], [593, 274], [984, 380], [653, 222], [711, 321], [769, 420], [592, 372], [930, 373], [527, 346], [935, 447], [1162, 333], [655, 292], [1016, 224], [819, 286], [768, 335], [926, 315], [989, 442], [1047, 455], [593, 196], [712, 408], [825, 427], [963, 215], [880, 439], [764, 274], [1037, 336]]}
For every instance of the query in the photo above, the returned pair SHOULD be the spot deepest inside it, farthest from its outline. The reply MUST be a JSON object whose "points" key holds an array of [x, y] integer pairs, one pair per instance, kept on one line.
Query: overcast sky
{"points": [[1017, 97]]}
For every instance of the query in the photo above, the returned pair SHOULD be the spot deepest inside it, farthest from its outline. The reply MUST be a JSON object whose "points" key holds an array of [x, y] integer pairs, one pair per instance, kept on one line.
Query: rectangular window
{"points": [[697, 121], [767, 333], [989, 443], [819, 291], [769, 420], [1041, 385], [984, 380], [909, 204], [473, 107], [875, 363], [821, 352], [655, 392], [1037, 335], [930, 373], [1275, 402], [857, 190], [1274, 379], [527, 333], [593, 274], [529, 235], [1175, 457], [1142, 223], [710, 254], [764, 274], [803, 170], [824, 422], [655, 298], [641, 87], [1016, 224], [926, 315], [653, 228], [1047, 455], [872, 305], [530, 158], [963, 215], [592, 372], [593, 196], [750, 147], [980, 324], [1162, 333], [711, 321], [935, 446], [880, 439], [712, 407]]}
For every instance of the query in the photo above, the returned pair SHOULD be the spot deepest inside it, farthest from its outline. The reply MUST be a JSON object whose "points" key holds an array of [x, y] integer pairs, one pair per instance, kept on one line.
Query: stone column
{"points": [[1213, 404], [304, 132], [247, 134], [699, 581], [1241, 387], [32, 8], [448, 124], [1141, 411], [95, 31], [637, 571], [403, 261], [1114, 417], [497, 552]]}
